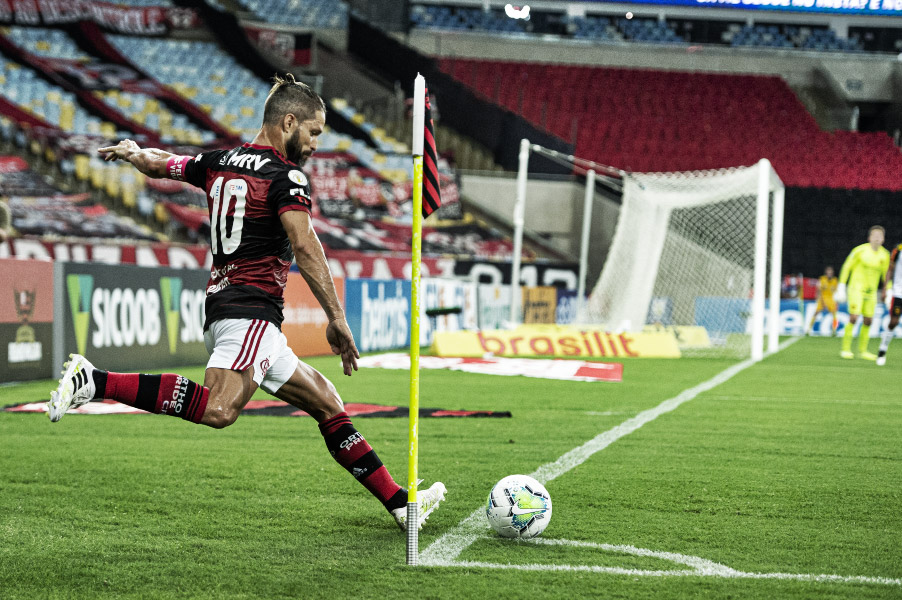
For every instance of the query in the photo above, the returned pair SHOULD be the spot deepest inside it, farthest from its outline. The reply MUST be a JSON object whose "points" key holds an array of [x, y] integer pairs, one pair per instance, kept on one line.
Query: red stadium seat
{"points": [[647, 120]]}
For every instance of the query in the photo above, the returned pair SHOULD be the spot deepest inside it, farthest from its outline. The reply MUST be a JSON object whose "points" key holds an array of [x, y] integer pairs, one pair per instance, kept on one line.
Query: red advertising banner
{"points": [[145, 255], [357, 265], [305, 321], [26, 320], [29, 291], [147, 20], [285, 48]]}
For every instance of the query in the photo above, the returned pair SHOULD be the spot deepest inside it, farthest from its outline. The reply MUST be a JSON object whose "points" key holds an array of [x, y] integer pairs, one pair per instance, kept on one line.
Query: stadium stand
{"points": [[39, 207], [374, 171], [595, 28], [676, 121], [610, 28], [790, 36], [23, 87], [329, 14], [131, 105], [198, 71], [649, 31], [443, 17]]}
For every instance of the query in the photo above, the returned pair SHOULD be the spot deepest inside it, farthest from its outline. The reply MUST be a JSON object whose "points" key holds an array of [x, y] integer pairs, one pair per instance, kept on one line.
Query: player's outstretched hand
{"points": [[840, 294], [119, 151], [339, 336]]}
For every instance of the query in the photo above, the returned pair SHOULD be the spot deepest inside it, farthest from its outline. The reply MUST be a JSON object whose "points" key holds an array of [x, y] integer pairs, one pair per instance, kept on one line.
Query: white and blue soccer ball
{"points": [[518, 507]]}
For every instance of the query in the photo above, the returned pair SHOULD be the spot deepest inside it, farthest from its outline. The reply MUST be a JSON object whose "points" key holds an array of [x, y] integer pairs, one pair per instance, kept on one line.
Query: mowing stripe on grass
{"points": [[445, 550]]}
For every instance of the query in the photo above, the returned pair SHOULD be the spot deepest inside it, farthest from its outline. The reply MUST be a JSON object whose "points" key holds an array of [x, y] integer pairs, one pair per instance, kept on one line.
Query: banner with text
{"points": [[135, 20], [378, 311], [539, 304], [133, 318], [26, 320], [176, 256], [562, 369], [558, 341]]}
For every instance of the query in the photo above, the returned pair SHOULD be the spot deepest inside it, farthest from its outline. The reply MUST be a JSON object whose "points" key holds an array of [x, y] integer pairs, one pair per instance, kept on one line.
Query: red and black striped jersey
{"points": [[247, 188]]}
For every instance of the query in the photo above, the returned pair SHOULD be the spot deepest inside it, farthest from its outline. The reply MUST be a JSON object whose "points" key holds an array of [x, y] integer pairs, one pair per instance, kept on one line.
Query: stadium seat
{"points": [[319, 14], [135, 106], [646, 120]]}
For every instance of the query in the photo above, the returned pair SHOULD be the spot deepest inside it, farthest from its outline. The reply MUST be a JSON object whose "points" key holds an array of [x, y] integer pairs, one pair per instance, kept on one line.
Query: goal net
{"points": [[693, 251], [698, 252]]}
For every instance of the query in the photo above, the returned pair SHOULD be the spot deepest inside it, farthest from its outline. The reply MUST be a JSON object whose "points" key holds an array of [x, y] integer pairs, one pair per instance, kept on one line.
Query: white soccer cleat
{"points": [[75, 388], [881, 361], [427, 501]]}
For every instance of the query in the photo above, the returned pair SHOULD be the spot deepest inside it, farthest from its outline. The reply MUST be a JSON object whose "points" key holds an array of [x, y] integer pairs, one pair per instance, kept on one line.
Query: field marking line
{"points": [[699, 567], [445, 550]]}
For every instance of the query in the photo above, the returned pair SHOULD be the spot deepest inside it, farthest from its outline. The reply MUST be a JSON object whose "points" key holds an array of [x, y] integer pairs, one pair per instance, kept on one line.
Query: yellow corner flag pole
{"points": [[419, 112]]}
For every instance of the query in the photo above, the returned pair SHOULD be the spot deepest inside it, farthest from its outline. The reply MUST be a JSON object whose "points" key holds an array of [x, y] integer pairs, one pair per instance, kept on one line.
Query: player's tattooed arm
{"points": [[311, 260], [150, 161]]}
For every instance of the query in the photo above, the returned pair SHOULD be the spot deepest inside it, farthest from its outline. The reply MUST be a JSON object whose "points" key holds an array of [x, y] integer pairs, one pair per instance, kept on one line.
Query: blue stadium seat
{"points": [[316, 14]]}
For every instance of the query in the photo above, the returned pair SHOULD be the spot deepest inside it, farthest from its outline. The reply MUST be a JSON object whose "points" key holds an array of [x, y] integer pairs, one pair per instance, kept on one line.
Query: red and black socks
{"points": [[351, 451], [167, 394]]}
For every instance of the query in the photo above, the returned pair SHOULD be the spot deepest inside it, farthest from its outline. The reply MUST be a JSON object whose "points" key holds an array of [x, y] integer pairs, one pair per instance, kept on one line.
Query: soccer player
{"points": [[893, 301], [259, 205], [863, 270], [826, 285]]}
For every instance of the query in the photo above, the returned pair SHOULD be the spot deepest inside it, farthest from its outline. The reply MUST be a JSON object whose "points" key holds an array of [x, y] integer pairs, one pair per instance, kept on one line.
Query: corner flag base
{"points": [[413, 533]]}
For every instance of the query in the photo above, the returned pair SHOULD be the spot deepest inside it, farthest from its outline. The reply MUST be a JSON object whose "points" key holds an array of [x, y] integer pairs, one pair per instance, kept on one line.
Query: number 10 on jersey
{"points": [[227, 214]]}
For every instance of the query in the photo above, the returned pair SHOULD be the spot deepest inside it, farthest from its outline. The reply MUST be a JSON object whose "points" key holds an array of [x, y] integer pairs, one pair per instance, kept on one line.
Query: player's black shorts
{"points": [[895, 308]]}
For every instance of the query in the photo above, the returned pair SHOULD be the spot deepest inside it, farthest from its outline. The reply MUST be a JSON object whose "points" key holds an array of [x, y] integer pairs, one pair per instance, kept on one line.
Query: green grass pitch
{"points": [[793, 466]]}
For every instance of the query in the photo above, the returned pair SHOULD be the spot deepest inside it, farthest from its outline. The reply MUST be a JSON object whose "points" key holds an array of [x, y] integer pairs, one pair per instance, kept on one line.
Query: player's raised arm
{"points": [[844, 273], [311, 260], [850, 263], [150, 161]]}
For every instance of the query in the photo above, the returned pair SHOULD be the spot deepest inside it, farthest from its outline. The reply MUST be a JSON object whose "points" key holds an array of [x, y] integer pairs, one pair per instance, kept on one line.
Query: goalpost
{"points": [[696, 251]]}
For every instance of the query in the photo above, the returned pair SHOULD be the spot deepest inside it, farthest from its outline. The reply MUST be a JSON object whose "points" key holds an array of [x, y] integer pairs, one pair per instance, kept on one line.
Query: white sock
{"points": [[886, 338]]}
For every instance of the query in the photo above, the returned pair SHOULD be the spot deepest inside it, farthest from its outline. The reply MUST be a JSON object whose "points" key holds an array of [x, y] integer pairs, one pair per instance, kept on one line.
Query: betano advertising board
{"points": [[378, 310]]}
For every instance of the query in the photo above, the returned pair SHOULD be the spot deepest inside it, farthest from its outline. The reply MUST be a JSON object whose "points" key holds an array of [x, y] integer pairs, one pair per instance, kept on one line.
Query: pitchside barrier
{"points": [[135, 318], [123, 317], [128, 318], [26, 320], [378, 310]]}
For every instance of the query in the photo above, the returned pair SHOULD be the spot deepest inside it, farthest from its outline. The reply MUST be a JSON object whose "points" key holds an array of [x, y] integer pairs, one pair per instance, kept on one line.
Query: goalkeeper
{"points": [[863, 270]]}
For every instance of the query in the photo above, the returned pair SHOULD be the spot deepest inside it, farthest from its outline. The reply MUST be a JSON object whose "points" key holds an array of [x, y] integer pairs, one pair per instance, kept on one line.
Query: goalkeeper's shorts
{"points": [[862, 302], [828, 304], [239, 344]]}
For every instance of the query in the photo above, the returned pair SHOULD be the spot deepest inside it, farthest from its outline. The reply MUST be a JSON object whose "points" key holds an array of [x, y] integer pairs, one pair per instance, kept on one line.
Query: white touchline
{"points": [[443, 552]]}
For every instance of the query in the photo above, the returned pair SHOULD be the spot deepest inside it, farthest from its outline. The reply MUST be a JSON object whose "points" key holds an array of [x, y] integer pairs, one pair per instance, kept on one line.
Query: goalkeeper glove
{"points": [[840, 295]]}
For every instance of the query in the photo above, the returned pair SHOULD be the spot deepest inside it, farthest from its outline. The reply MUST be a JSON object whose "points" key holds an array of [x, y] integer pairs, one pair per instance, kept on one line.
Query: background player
{"points": [[259, 205], [826, 286], [893, 301], [863, 270]]}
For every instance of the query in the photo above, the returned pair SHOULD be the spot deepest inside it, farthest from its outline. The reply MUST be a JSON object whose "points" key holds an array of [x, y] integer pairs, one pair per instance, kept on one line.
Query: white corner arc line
{"points": [[443, 552], [698, 567]]}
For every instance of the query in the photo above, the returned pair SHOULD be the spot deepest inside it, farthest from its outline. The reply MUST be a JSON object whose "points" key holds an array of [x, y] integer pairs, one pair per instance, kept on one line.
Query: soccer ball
{"points": [[518, 507]]}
